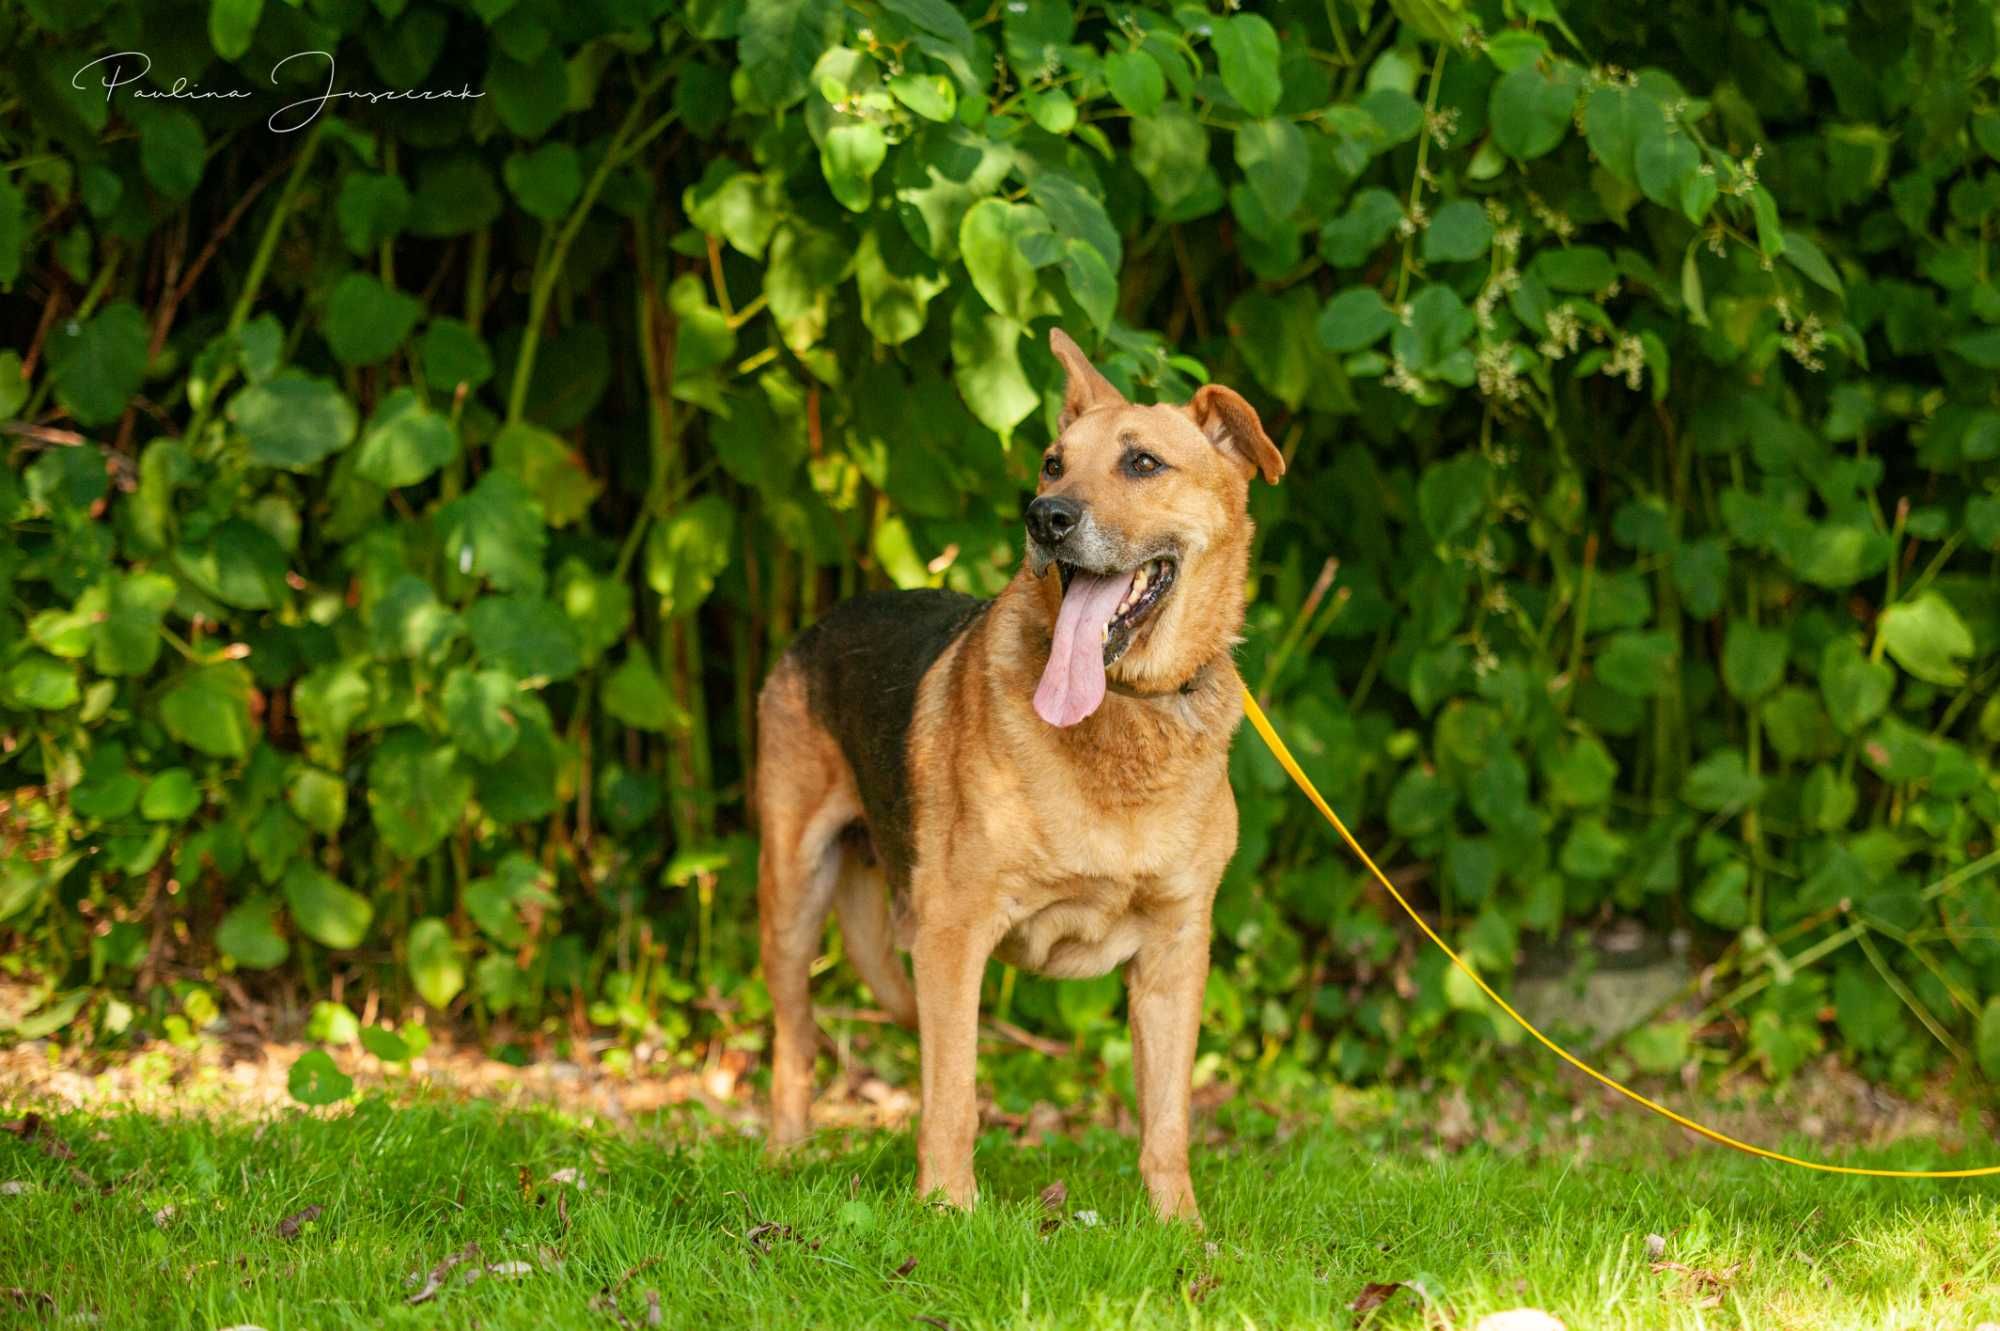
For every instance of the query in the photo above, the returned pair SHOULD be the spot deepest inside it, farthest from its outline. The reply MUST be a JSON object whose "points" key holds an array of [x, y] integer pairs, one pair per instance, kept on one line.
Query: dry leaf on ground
{"points": [[289, 1227], [435, 1280], [1372, 1296]]}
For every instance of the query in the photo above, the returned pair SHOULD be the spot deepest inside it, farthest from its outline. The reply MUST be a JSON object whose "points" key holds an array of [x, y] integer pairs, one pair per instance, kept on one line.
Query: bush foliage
{"points": [[405, 499]]}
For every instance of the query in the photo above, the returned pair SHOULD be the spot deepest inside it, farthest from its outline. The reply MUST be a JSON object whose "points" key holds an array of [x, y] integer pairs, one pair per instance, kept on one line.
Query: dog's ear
{"points": [[1086, 388], [1231, 424]]}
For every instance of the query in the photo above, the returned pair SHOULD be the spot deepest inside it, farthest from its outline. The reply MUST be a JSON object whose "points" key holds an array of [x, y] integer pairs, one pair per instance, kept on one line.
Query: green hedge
{"points": [[404, 508]]}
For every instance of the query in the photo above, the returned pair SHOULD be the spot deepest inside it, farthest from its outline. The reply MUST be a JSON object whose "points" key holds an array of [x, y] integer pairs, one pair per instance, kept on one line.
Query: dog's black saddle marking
{"points": [[863, 662]]}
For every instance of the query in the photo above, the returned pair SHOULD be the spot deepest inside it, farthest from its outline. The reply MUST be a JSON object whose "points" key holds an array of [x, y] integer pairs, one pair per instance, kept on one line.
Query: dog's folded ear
{"points": [[1086, 388], [1231, 424]]}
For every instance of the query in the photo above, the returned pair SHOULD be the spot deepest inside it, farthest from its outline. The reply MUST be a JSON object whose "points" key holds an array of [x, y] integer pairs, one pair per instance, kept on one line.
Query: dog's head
{"points": [[1140, 533]]}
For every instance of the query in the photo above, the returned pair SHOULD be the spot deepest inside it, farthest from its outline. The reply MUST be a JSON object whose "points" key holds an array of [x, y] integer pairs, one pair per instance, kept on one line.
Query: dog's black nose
{"points": [[1051, 517]]}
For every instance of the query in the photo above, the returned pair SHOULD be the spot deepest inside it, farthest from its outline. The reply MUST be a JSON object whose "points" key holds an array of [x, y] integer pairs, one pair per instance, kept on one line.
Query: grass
{"points": [[1296, 1229]]}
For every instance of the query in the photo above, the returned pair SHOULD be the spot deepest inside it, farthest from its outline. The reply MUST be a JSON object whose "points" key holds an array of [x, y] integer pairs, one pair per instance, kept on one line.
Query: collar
{"points": [[1184, 688]]}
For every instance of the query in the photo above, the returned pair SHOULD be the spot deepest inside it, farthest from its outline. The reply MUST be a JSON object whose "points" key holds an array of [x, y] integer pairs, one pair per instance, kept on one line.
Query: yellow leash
{"points": [[1304, 783]]}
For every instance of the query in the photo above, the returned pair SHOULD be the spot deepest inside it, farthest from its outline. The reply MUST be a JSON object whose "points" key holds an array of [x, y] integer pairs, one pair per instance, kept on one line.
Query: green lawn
{"points": [[1296, 1229]]}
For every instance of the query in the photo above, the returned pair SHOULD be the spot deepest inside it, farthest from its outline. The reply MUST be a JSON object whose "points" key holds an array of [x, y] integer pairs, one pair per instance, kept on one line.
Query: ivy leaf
{"points": [[994, 240], [315, 1079], [547, 181], [478, 711], [1136, 81], [98, 365], [1856, 688], [495, 531], [434, 963], [1753, 660], [1637, 663], [1356, 318], [1170, 150], [634, 695], [1246, 48], [1530, 108], [548, 468], [1348, 240], [208, 709], [248, 934], [231, 25], [529, 96], [986, 365], [849, 158], [318, 798], [128, 639], [1721, 781], [686, 552], [1452, 495], [170, 797], [405, 442], [366, 321], [293, 420], [1926, 637], [417, 792], [932, 96], [172, 151], [372, 208], [1458, 234], [324, 910], [1272, 155], [527, 636], [453, 354]]}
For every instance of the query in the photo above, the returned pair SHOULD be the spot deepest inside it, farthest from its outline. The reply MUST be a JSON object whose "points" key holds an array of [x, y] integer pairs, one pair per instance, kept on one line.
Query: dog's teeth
{"points": [[1139, 580]]}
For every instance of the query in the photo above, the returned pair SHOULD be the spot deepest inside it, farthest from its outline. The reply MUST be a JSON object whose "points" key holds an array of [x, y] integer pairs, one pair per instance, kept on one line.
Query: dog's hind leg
{"points": [[861, 900], [805, 798]]}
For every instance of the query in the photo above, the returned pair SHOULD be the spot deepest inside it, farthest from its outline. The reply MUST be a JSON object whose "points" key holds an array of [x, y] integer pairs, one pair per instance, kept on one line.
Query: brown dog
{"points": [[1041, 777]]}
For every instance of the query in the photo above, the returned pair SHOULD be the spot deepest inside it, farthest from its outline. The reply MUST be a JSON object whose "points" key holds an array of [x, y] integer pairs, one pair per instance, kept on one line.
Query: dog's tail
{"points": [[861, 900]]}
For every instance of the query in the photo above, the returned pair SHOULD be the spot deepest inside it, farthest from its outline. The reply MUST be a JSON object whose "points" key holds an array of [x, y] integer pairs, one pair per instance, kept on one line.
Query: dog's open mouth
{"points": [[1100, 616]]}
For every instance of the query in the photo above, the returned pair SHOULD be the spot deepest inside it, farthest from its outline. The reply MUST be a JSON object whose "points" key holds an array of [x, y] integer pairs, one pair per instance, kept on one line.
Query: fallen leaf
{"points": [[164, 1216], [562, 1211], [24, 1127], [653, 1316], [14, 1187], [1204, 1285], [15, 1294], [289, 1227], [1054, 1196], [1087, 1219], [937, 1322], [1705, 1285], [1518, 1319], [570, 1177], [1372, 1296], [435, 1280], [1656, 1247], [527, 1181], [901, 1272], [511, 1269]]}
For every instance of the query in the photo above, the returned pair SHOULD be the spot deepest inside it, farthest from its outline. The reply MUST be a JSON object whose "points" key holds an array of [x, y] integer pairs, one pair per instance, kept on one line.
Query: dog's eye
{"points": [[1143, 464], [1052, 466]]}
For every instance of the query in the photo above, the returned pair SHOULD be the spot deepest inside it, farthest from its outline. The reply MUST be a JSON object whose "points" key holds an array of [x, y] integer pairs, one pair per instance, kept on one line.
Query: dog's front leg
{"points": [[949, 962], [1165, 982]]}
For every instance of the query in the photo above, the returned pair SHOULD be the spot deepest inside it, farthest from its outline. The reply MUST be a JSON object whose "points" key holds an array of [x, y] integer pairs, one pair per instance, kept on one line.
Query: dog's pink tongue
{"points": [[1073, 682]]}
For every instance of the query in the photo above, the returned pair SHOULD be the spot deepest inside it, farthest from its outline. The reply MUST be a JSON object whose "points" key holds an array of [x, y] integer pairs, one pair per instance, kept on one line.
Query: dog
{"points": [[1042, 777]]}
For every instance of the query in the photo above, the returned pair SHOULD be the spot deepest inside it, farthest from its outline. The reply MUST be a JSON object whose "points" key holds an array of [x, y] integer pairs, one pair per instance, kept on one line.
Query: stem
{"points": [[555, 248], [1417, 180], [260, 263]]}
